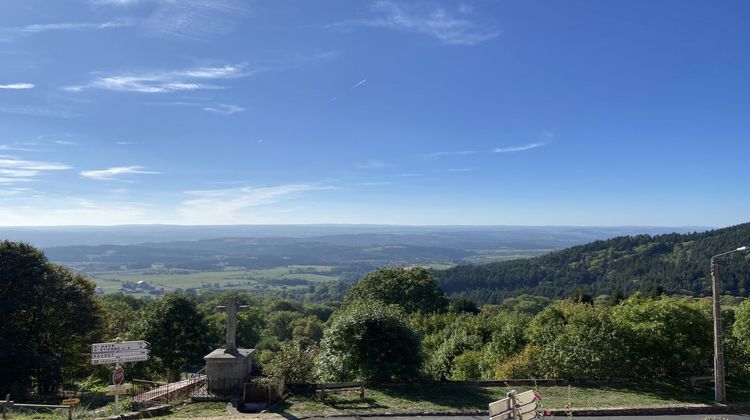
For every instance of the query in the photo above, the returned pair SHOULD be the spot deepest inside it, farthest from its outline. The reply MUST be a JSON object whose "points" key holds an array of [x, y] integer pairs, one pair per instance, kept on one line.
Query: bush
{"points": [[293, 364], [521, 366], [667, 337]]}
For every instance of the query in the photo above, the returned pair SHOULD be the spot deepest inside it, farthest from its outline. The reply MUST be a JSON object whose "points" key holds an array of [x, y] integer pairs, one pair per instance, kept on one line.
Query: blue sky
{"points": [[399, 112]]}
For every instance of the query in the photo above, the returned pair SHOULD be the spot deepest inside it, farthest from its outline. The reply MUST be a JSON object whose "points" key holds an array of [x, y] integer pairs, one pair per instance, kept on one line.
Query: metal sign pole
{"points": [[117, 396]]}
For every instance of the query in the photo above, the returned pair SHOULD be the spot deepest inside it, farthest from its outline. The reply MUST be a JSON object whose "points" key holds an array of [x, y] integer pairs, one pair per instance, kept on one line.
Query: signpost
{"points": [[120, 352], [120, 346], [115, 353], [119, 359], [118, 390]]}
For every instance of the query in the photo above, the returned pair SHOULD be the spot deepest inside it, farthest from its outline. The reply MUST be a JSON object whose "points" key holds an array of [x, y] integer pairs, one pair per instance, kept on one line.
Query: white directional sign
{"points": [[123, 346], [111, 354], [119, 352], [125, 359]]}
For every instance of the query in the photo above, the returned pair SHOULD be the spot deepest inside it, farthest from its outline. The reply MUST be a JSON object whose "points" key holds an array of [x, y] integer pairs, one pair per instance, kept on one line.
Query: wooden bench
{"points": [[327, 388], [521, 406], [8, 405]]}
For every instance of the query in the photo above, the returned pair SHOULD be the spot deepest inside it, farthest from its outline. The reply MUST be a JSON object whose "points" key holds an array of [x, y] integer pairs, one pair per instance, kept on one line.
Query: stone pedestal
{"points": [[227, 372]]}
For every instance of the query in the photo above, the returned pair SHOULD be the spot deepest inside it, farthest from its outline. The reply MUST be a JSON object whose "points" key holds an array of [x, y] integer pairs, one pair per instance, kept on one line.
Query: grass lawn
{"points": [[455, 397], [203, 409]]}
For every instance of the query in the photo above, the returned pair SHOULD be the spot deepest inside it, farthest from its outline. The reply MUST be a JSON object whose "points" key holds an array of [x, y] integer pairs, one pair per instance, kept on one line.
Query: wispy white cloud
{"points": [[452, 29], [12, 180], [454, 170], [165, 81], [8, 162], [35, 111], [125, 143], [116, 2], [193, 19], [18, 173], [437, 155], [15, 191], [13, 170], [226, 109], [22, 147], [17, 86], [374, 183], [231, 205], [64, 142], [360, 83], [11, 33], [371, 164], [115, 172], [512, 149]]}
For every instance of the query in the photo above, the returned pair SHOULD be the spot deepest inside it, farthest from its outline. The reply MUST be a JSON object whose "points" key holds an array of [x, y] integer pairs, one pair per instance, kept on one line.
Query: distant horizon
{"points": [[46, 236], [368, 225]]}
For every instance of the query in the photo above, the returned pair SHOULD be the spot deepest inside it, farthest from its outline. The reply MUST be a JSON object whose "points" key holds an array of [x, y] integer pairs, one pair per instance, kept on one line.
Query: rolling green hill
{"points": [[679, 263]]}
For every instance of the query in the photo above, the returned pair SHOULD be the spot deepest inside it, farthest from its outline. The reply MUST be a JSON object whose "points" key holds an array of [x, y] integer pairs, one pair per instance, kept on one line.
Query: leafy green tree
{"points": [[48, 319], [177, 330], [463, 305], [667, 337], [531, 304], [308, 328], [279, 324], [441, 362], [293, 364], [590, 345], [370, 341], [616, 296], [121, 315], [505, 342], [581, 296], [741, 328], [467, 366], [413, 289], [525, 364]]}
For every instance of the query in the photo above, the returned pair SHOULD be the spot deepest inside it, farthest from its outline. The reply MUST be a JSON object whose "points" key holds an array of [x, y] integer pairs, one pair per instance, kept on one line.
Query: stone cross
{"points": [[231, 309]]}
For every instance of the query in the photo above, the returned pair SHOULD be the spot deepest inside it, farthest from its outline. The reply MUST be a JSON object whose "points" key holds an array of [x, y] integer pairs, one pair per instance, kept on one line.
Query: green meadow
{"points": [[157, 278]]}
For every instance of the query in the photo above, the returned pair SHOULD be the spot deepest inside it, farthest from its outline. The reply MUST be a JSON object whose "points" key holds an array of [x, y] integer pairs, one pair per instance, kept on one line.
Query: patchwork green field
{"points": [[157, 279]]}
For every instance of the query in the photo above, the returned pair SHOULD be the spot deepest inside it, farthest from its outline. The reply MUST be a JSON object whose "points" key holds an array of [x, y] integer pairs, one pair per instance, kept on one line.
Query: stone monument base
{"points": [[227, 372]]}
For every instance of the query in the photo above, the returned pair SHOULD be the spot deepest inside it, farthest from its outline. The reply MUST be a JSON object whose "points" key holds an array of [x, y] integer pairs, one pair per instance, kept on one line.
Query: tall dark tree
{"points": [[48, 318], [178, 332], [463, 305]]}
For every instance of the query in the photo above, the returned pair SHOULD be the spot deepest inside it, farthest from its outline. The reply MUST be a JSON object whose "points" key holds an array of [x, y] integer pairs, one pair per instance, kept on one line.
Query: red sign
{"points": [[118, 376]]}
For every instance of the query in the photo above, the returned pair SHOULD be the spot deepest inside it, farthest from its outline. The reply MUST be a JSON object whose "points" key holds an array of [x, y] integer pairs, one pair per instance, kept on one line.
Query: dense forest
{"points": [[673, 263]]}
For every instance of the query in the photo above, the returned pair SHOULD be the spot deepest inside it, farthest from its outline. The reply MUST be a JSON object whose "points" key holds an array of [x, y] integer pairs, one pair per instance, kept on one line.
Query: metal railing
{"points": [[149, 393]]}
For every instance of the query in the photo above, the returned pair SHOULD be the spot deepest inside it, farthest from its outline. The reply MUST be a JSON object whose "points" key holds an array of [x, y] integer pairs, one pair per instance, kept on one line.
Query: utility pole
{"points": [[720, 388], [720, 393]]}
